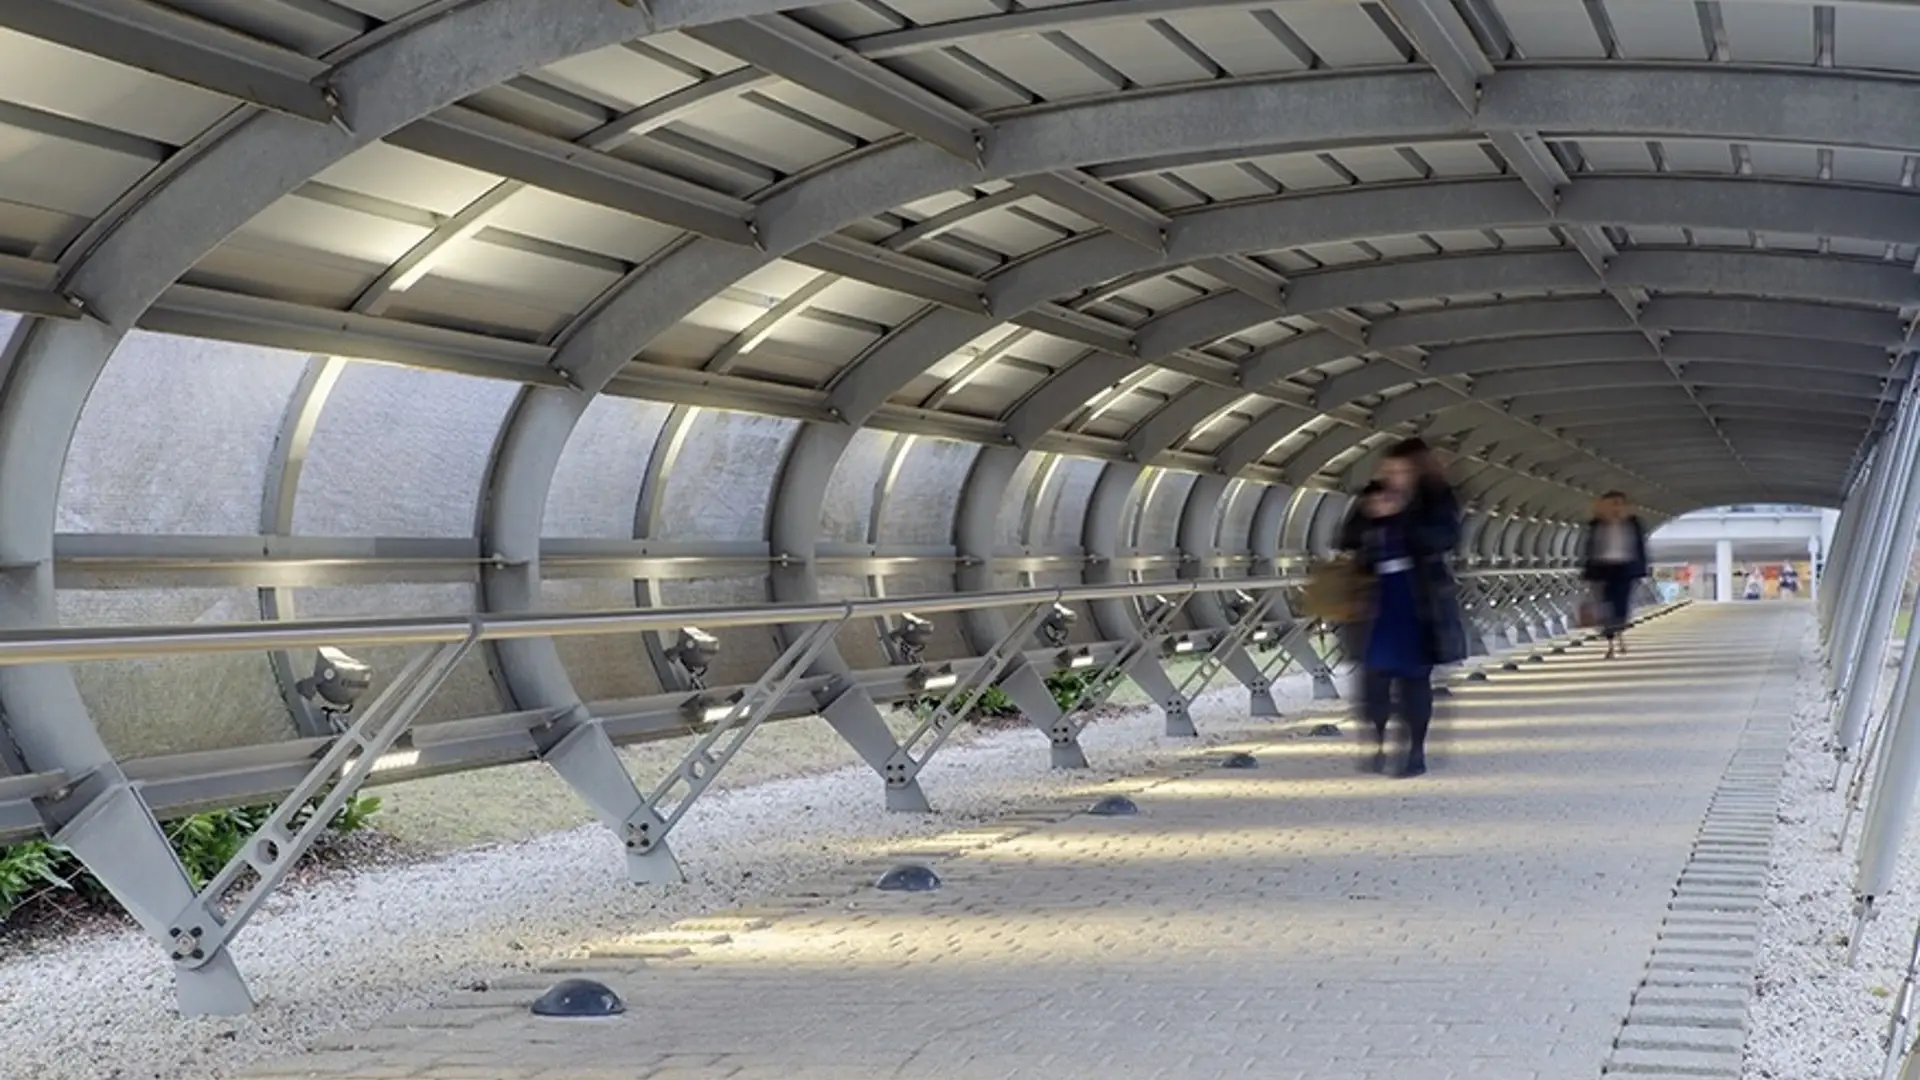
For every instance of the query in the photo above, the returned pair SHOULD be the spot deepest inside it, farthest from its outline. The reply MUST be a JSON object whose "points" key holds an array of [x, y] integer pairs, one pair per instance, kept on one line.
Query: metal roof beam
{"points": [[1219, 121], [1101, 204], [1629, 421], [478, 141], [1556, 400], [177, 46], [1789, 319], [222, 316], [1444, 38], [781, 46], [1540, 352], [1651, 373]]}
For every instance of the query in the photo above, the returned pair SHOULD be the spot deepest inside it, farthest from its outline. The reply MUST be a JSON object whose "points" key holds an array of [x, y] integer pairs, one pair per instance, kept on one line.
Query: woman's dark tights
{"points": [[1415, 694]]}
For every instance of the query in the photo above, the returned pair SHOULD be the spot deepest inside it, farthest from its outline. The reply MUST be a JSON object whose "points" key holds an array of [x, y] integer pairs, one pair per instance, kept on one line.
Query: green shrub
{"points": [[1067, 686], [204, 842]]}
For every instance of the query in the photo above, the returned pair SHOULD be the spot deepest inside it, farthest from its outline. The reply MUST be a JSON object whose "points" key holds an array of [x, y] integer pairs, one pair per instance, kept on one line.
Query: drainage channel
{"points": [[1689, 1013]]}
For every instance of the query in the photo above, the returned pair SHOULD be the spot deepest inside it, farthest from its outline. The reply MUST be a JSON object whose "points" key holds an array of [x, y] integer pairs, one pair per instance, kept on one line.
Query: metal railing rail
{"points": [[94, 643]]}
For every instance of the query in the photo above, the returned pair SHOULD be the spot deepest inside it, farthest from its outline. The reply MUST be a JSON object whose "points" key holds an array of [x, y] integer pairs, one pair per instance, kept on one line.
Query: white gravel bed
{"points": [[342, 954], [1813, 1017]]}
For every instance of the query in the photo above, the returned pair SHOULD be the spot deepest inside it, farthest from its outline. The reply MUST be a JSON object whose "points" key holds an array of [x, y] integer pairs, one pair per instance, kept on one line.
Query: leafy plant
{"points": [[204, 842], [27, 869], [994, 704], [1067, 686]]}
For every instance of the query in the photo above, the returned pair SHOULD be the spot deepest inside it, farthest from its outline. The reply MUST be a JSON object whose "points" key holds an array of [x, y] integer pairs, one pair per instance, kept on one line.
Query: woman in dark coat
{"points": [[1616, 560], [1402, 535]]}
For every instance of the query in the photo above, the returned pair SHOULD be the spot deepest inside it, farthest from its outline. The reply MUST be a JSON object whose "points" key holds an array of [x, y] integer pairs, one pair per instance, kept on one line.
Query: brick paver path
{"points": [[1299, 920]]}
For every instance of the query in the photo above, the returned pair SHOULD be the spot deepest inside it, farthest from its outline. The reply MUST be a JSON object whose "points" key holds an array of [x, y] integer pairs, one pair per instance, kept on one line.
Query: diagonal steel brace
{"points": [[1232, 640], [202, 929], [1101, 685], [728, 727]]}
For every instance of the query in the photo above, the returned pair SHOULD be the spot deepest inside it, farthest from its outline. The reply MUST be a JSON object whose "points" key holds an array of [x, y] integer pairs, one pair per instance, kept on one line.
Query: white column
{"points": [[1723, 570], [1815, 555]]}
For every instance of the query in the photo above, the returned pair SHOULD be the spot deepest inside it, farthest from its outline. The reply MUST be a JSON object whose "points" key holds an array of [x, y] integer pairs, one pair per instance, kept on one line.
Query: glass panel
{"points": [[927, 493], [176, 436], [847, 508], [1060, 519], [469, 691], [1013, 504], [746, 651], [400, 452], [718, 486], [1299, 520], [1236, 524], [1160, 517], [176, 704], [1327, 519], [597, 484], [605, 667]]}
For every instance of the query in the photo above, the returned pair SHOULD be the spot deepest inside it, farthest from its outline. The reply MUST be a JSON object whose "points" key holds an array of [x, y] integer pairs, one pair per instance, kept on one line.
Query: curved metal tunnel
{"points": [[495, 314]]}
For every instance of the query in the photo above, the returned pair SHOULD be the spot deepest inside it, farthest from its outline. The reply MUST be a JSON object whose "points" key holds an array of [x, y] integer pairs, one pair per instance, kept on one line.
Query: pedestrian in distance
{"points": [[1616, 561], [1402, 533]]}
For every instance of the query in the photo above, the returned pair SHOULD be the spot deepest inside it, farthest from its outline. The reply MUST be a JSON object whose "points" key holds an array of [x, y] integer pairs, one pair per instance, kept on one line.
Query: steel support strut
{"points": [[1065, 734], [1870, 760], [1227, 645], [939, 723], [1836, 567], [1317, 660], [1903, 1056], [1864, 576], [728, 727], [1893, 757], [1902, 513], [1289, 647], [200, 931]]}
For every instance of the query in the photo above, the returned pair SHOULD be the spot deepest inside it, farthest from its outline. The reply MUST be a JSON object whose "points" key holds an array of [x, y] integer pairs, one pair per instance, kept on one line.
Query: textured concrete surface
{"points": [[1493, 920]]}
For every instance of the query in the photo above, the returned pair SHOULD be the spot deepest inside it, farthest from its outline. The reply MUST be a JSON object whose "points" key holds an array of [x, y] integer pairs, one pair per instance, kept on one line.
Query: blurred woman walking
{"points": [[1616, 561], [1402, 535]]}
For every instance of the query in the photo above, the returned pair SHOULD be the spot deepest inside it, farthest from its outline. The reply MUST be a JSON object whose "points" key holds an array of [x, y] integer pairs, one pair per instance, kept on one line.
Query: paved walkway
{"points": [[1492, 920]]}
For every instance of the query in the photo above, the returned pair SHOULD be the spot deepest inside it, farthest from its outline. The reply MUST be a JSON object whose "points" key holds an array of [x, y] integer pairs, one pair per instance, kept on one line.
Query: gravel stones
{"points": [[1812, 1017]]}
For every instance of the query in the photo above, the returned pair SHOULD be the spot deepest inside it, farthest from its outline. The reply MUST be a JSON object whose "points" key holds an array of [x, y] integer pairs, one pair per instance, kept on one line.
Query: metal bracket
{"points": [[201, 930]]}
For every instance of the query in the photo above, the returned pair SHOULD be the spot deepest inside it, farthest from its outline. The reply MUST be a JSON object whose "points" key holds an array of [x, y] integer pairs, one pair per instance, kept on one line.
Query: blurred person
{"points": [[1402, 534], [1616, 561]]}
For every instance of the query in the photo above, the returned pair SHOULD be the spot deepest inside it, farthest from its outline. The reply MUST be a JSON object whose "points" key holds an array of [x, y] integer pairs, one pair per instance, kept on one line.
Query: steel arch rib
{"points": [[1224, 120], [1326, 218], [1516, 320], [1215, 119]]}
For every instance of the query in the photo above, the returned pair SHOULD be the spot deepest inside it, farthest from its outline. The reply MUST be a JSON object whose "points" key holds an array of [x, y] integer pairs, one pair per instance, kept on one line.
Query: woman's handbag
{"points": [[1336, 592], [1593, 612]]}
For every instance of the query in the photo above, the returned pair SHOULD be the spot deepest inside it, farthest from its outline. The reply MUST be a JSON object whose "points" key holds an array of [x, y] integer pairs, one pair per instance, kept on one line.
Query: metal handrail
{"points": [[94, 643]]}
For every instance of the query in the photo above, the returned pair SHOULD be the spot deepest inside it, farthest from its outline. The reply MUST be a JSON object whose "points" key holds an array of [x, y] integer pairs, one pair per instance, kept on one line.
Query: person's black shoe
{"points": [[1415, 766], [1375, 762]]}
